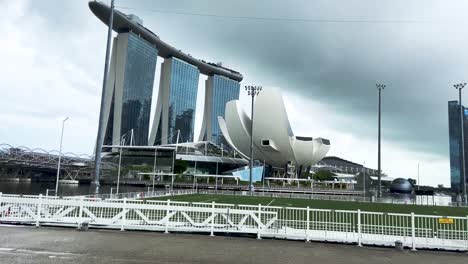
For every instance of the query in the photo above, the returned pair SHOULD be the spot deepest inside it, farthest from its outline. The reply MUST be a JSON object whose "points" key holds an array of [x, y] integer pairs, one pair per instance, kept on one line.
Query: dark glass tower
{"points": [[182, 101], [218, 91], [177, 100], [456, 181], [129, 90]]}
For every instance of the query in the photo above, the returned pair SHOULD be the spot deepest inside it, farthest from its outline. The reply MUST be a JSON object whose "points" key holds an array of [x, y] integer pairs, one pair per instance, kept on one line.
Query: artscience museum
{"points": [[274, 141]]}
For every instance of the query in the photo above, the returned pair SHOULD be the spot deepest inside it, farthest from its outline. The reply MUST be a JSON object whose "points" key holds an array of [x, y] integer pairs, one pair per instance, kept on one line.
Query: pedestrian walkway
{"points": [[63, 245]]}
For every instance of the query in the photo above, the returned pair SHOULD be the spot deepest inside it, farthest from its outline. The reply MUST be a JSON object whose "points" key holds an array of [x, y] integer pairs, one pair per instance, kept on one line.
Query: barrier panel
{"points": [[360, 227]]}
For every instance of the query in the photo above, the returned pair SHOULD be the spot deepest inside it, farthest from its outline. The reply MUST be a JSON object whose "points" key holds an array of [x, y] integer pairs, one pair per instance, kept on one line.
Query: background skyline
{"points": [[53, 53]]}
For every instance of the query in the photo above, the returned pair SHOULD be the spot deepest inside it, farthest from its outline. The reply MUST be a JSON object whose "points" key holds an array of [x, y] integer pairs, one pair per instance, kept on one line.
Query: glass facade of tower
{"points": [[138, 89], [224, 90], [182, 101], [455, 144], [137, 57]]}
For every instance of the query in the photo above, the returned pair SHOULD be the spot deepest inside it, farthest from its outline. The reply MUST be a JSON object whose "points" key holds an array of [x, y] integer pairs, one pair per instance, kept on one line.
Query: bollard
{"points": [[83, 226], [399, 245]]}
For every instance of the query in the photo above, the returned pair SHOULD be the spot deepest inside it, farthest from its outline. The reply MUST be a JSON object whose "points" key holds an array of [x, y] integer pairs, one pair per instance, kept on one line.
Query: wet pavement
{"points": [[66, 245]]}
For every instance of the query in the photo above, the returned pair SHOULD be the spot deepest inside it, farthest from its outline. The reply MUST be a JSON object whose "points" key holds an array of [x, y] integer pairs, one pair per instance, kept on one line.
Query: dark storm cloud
{"points": [[337, 64]]}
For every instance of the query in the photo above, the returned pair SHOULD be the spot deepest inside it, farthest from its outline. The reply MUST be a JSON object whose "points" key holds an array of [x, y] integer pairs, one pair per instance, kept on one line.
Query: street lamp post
{"points": [[120, 162], [380, 87], [460, 87], [252, 91], [263, 178], [419, 183], [154, 165], [60, 156], [364, 179]]}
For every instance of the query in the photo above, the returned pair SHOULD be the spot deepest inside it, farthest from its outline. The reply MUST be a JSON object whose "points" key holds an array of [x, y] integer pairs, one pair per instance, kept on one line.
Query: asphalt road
{"points": [[66, 245]]}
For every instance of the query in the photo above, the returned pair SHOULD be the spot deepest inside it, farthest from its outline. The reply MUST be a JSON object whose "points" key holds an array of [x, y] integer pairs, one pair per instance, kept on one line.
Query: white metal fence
{"points": [[370, 228], [336, 197], [137, 195]]}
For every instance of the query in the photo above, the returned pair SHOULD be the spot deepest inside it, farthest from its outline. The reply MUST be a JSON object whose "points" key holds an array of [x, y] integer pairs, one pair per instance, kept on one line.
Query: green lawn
{"points": [[321, 204]]}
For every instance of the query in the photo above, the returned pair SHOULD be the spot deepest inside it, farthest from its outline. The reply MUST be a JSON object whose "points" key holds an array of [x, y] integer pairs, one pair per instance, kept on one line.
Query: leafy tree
{"points": [[180, 166], [323, 176], [141, 168]]}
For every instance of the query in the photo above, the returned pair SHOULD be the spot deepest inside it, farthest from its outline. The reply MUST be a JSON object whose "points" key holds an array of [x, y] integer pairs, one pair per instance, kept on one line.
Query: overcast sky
{"points": [[52, 55]]}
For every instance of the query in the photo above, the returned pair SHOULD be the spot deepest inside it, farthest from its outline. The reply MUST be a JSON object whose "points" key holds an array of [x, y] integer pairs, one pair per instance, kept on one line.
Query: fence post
{"points": [[359, 228], [259, 228], [80, 214], [413, 234], [124, 216], [167, 215], [308, 224], [39, 205], [465, 229], [212, 218]]}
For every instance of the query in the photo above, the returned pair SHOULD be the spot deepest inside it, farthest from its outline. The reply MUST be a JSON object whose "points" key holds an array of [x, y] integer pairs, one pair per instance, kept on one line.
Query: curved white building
{"points": [[274, 141]]}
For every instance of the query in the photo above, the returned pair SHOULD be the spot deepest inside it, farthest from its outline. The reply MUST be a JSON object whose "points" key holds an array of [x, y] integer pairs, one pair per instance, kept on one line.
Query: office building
{"points": [[455, 148]]}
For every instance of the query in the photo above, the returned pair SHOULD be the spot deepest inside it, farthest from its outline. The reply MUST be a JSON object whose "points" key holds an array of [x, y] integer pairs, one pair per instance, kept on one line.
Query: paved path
{"points": [[66, 245]]}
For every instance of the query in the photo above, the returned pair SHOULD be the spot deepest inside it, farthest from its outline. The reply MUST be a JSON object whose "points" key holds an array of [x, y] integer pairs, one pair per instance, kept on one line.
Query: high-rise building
{"points": [[218, 91], [130, 83], [174, 118], [455, 140], [129, 90]]}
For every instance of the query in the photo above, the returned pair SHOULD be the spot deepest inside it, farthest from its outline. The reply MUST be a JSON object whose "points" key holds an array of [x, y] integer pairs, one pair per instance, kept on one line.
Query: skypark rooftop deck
{"points": [[123, 23]]}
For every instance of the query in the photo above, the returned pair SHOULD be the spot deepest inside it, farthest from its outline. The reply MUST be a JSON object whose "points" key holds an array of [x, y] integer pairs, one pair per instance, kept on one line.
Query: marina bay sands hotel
{"points": [[129, 90]]}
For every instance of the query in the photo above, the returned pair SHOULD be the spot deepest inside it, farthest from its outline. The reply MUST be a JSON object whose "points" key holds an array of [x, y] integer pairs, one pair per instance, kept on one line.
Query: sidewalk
{"points": [[64, 245]]}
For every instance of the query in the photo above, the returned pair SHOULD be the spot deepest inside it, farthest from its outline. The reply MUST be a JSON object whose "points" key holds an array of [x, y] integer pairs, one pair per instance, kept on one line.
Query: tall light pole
{"points": [[364, 178], [154, 165], [122, 140], [419, 183], [60, 156], [460, 87], [252, 91], [100, 135], [380, 87]]}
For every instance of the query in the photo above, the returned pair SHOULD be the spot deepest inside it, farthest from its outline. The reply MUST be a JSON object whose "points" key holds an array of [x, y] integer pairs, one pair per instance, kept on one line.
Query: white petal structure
{"points": [[274, 140]]}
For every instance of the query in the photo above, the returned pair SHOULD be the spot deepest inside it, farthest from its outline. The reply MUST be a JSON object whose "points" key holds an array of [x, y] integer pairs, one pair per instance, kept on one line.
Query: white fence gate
{"points": [[370, 228]]}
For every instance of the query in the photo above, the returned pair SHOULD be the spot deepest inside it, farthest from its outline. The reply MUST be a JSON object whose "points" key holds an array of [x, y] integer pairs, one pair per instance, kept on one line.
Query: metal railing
{"points": [[362, 228], [336, 197], [138, 195], [244, 186]]}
